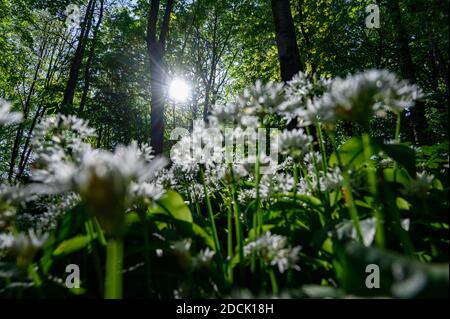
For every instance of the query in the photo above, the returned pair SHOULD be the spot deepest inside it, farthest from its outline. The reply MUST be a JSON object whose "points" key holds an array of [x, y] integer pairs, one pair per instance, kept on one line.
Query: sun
{"points": [[179, 90]]}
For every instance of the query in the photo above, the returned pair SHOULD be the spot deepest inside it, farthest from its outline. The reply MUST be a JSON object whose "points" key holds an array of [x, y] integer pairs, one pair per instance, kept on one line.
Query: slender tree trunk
{"points": [[87, 74], [69, 93], [306, 37], [26, 109]]}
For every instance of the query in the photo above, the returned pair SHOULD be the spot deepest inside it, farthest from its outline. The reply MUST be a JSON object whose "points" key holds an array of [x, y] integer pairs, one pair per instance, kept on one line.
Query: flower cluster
{"points": [[108, 182], [274, 250], [23, 245], [182, 249]]}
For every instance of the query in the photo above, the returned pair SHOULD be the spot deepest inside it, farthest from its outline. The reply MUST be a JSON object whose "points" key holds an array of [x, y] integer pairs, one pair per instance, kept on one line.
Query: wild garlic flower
{"points": [[359, 97], [274, 251], [6, 240], [145, 192], [24, 245], [10, 197], [223, 114], [203, 258], [245, 196], [166, 178], [278, 183], [202, 147], [7, 117], [193, 192], [295, 143], [260, 99], [332, 180], [182, 246], [419, 186], [107, 182], [182, 250], [316, 157]]}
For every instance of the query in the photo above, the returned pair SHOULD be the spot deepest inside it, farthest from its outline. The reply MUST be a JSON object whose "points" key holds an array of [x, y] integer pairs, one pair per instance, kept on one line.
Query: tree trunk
{"points": [[78, 58], [288, 52], [155, 49], [87, 74], [407, 69], [26, 109]]}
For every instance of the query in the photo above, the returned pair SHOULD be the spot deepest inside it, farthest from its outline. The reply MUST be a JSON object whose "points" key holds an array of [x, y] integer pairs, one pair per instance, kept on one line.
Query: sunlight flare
{"points": [[179, 90]]}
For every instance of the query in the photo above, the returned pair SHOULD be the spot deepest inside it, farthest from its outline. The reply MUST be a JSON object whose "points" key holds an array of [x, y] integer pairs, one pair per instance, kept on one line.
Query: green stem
{"points": [[347, 192], [210, 214], [146, 234], [273, 281], [323, 151], [238, 225], [326, 195], [36, 280], [397, 141], [258, 199], [114, 258], [397, 128], [230, 241], [371, 176], [295, 173], [92, 233]]}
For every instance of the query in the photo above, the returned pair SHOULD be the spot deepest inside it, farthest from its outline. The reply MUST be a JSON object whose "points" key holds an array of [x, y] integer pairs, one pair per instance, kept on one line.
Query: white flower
{"points": [[246, 195], [203, 258], [145, 192], [7, 117], [182, 247], [6, 240], [331, 181], [358, 97], [222, 114], [274, 250], [260, 99], [419, 186], [107, 182], [202, 147], [295, 143]]}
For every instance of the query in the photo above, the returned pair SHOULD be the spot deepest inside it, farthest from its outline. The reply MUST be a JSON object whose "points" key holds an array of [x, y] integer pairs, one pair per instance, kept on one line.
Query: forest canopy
{"points": [[212, 149]]}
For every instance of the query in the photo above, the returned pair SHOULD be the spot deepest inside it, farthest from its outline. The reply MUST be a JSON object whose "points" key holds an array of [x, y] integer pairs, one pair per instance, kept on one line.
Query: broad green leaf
{"points": [[173, 204], [351, 153]]}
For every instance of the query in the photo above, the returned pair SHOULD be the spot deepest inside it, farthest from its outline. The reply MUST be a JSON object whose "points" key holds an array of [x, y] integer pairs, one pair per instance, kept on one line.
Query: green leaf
{"points": [[72, 244], [203, 234], [403, 155], [437, 185], [396, 175], [252, 232], [402, 203], [173, 204], [351, 153]]}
